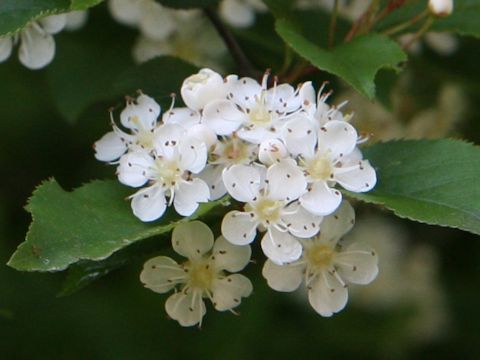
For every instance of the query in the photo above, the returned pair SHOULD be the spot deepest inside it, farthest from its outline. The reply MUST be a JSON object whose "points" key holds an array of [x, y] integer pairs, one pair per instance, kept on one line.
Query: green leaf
{"points": [[90, 223], [430, 181], [86, 272], [187, 4], [84, 4], [15, 14], [357, 62]]}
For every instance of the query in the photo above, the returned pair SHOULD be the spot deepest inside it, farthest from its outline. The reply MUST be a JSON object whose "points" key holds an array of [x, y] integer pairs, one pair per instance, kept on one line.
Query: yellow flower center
{"points": [[319, 168], [234, 151], [168, 172], [260, 116], [201, 274], [267, 210], [319, 256]]}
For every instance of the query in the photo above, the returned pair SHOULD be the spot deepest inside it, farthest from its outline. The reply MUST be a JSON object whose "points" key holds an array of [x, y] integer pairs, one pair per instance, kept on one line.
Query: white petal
{"points": [[339, 223], [300, 222], [281, 247], [161, 274], [300, 136], [242, 182], [167, 138], [227, 293], [285, 180], [193, 155], [5, 47], [110, 147], [237, 13], [182, 116], [358, 178], [150, 104], [189, 194], [308, 98], [192, 239], [157, 22], [222, 116], [284, 278], [212, 175], [204, 134], [127, 12], [37, 47], [140, 116], [255, 135], [76, 20], [53, 24], [149, 204], [202, 88], [339, 138], [327, 295], [188, 309], [283, 98], [244, 92], [271, 151], [357, 264], [134, 167], [321, 199], [239, 228], [230, 257]]}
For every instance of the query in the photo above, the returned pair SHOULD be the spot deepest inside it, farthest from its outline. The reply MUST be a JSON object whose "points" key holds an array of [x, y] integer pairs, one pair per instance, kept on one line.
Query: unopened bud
{"points": [[440, 7]]}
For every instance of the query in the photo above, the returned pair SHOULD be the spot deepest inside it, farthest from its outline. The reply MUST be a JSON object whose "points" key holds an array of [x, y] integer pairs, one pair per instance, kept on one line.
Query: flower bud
{"points": [[440, 7]]}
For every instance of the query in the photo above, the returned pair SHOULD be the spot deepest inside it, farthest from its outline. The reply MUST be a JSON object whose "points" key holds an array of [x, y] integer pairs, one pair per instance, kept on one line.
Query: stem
{"points": [[333, 25], [362, 21], [428, 23], [243, 64], [402, 26]]}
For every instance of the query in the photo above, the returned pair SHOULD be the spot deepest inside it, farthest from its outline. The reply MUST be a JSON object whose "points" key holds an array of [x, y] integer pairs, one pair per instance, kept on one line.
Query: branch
{"points": [[243, 64]]}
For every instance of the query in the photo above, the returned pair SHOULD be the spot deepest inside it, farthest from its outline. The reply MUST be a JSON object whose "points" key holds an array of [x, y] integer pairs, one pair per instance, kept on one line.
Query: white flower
{"points": [[76, 20], [37, 47], [227, 152], [270, 205], [203, 275], [441, 7], [168, 169], [319, 112], [140, 118], [326, 266], [202, 88], [154, 21], [240, 13], [327, 158], [251, 110]]}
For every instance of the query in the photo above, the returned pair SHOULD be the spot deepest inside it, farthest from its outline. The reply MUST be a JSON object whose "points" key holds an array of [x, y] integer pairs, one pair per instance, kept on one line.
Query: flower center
{"points": [[201, 274], [260, 116], [319, 168], [145, 139], [319, 256], [267, 211], [234, 151], [168, 171]]}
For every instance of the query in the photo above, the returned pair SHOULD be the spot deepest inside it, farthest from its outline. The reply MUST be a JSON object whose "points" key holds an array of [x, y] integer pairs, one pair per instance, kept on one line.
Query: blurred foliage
{"points": [[116, 318]]}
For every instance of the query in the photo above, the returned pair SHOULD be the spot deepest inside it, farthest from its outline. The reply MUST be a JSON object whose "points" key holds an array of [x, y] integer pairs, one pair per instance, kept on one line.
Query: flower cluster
{"points": [[280, 152], [37, 46]]}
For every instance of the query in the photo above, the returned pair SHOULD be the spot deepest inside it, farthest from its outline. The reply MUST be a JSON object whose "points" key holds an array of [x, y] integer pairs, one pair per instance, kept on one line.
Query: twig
{"points": [[402, 26], [243, 64], [333, 25], [425, 27]]}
